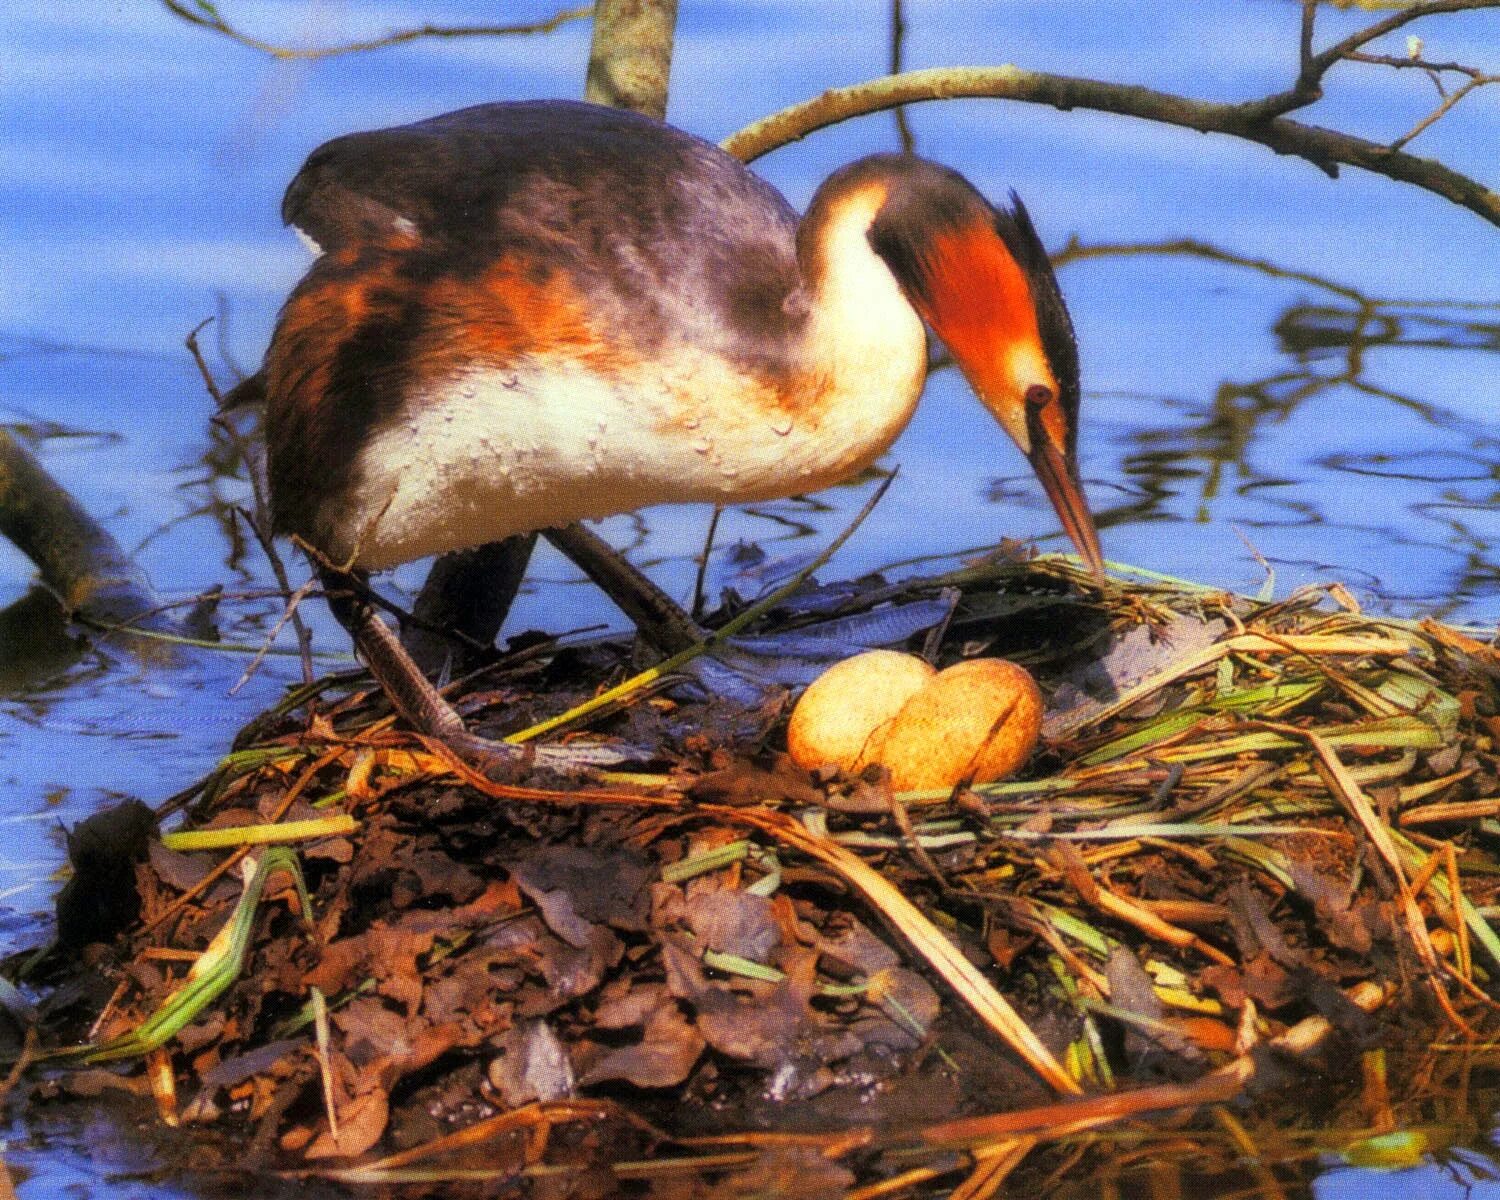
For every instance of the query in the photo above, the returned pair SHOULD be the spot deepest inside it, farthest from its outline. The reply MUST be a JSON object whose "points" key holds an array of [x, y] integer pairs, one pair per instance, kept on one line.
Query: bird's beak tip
{"points": [[1060, 481]]}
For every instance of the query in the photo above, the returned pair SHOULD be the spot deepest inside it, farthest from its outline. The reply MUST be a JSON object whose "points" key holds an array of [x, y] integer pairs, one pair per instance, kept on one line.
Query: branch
{"points": [[205, 16], [630, 60], [1326, 149], [1312, 67], [78, 559], [1322, 61], [1434, 70], [1443, 109], [898, 64]]}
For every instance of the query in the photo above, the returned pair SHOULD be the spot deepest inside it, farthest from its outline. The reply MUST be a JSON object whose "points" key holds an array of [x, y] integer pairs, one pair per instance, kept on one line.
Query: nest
{"points": [[1257, 835]]}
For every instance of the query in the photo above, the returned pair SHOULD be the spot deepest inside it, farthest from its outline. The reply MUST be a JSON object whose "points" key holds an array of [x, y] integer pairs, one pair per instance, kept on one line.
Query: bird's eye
{"points": [[1038, 396]]}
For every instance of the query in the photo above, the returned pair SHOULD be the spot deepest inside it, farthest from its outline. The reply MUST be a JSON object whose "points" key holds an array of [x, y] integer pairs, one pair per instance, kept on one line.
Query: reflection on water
{"points": [[1247, 373], [1329, 349]]}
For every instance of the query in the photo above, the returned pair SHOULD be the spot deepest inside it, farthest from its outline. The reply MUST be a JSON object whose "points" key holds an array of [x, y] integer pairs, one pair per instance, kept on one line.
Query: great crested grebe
{"points": [[527, 314]]}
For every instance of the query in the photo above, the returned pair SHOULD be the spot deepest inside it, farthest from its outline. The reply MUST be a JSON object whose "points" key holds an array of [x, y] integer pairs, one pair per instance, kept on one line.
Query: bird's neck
{"points": [[864, 344]]}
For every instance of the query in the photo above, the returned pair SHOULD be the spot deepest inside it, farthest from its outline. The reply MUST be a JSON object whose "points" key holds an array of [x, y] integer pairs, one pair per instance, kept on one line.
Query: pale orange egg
{"points": [[978, 720], [841, 717]]}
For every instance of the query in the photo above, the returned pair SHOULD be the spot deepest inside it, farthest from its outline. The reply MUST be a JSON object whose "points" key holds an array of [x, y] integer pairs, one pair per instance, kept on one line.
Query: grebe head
{"points": [[980, 277]]}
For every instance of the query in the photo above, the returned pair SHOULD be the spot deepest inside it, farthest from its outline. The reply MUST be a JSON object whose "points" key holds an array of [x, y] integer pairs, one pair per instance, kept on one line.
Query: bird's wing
{"points": [[573, 165], [651, 223]]}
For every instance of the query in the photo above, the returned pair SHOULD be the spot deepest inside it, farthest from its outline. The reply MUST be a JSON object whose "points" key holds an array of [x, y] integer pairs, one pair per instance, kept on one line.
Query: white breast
{"points": [[489, 453], [494, 453]]}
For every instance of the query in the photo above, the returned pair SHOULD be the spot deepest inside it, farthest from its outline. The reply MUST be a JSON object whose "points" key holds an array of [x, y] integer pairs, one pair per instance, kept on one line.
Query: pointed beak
{"points": [[1059, 478], [1057, 470]]}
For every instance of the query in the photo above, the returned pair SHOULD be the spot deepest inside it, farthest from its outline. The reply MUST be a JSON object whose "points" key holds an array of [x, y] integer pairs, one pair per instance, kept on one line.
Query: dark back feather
{"points": [[667, 236]]}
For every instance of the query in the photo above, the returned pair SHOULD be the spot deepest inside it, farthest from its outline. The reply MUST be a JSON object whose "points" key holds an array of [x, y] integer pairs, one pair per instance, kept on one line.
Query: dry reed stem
{"points": [[1247, 643], [213, 876], [993, 1166], [941, 954]]}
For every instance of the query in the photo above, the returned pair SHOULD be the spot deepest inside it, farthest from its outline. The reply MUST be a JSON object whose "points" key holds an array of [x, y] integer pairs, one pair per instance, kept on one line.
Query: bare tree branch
{"points": [[1305, 43], [897, 65], [206, 16], [1435, 71], [1326, 149], [1443, 109], [1433, 68], [1313, 66], [630, 61], [1326, 58]]}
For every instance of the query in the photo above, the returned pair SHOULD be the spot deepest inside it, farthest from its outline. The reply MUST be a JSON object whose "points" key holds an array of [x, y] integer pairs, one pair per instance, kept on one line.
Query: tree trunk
{"points": [[630, 60]]}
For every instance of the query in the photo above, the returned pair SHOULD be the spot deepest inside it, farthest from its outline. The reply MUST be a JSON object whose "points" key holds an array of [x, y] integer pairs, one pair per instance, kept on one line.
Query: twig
{"points": [[1443, 109], [206, 16], [1326, 149], [293, 599], [259, 521], [1404, 16], [1312, 67], [898, 64], [191, 342], [23, 1061], [708, 546]]}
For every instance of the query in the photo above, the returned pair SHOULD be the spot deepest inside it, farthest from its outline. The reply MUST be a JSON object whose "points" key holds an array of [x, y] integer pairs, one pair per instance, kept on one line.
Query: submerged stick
{"points": [[78, 558]]}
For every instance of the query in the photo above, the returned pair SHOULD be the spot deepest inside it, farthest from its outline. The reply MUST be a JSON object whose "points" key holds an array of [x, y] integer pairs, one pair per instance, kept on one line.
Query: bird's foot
{"points": [[507, 762], [499, 762]]}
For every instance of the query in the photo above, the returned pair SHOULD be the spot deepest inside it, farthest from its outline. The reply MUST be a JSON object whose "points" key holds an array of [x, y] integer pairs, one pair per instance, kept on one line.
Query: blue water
{"points": [[141, 169]]}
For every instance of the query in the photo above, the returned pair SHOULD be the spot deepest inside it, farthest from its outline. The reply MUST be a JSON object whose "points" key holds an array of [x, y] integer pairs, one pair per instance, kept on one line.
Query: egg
{"points": [[977, 720], [841, 718]]}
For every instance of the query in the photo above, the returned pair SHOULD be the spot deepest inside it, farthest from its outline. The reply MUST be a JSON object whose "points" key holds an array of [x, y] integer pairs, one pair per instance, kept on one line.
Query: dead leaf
{"points": [[734, 922], [576, 886], [669, 1048], [361, 1122], [531, 1066]]}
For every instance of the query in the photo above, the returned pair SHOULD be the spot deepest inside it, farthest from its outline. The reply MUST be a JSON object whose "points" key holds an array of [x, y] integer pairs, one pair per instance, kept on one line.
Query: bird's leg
{"points": [[659, 620], [469, 591], [410, 692], [418, 701]]}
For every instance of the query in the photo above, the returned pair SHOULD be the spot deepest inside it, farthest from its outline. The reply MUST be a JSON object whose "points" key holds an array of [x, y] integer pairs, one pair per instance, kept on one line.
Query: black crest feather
{"points": [[1053, 322]]}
